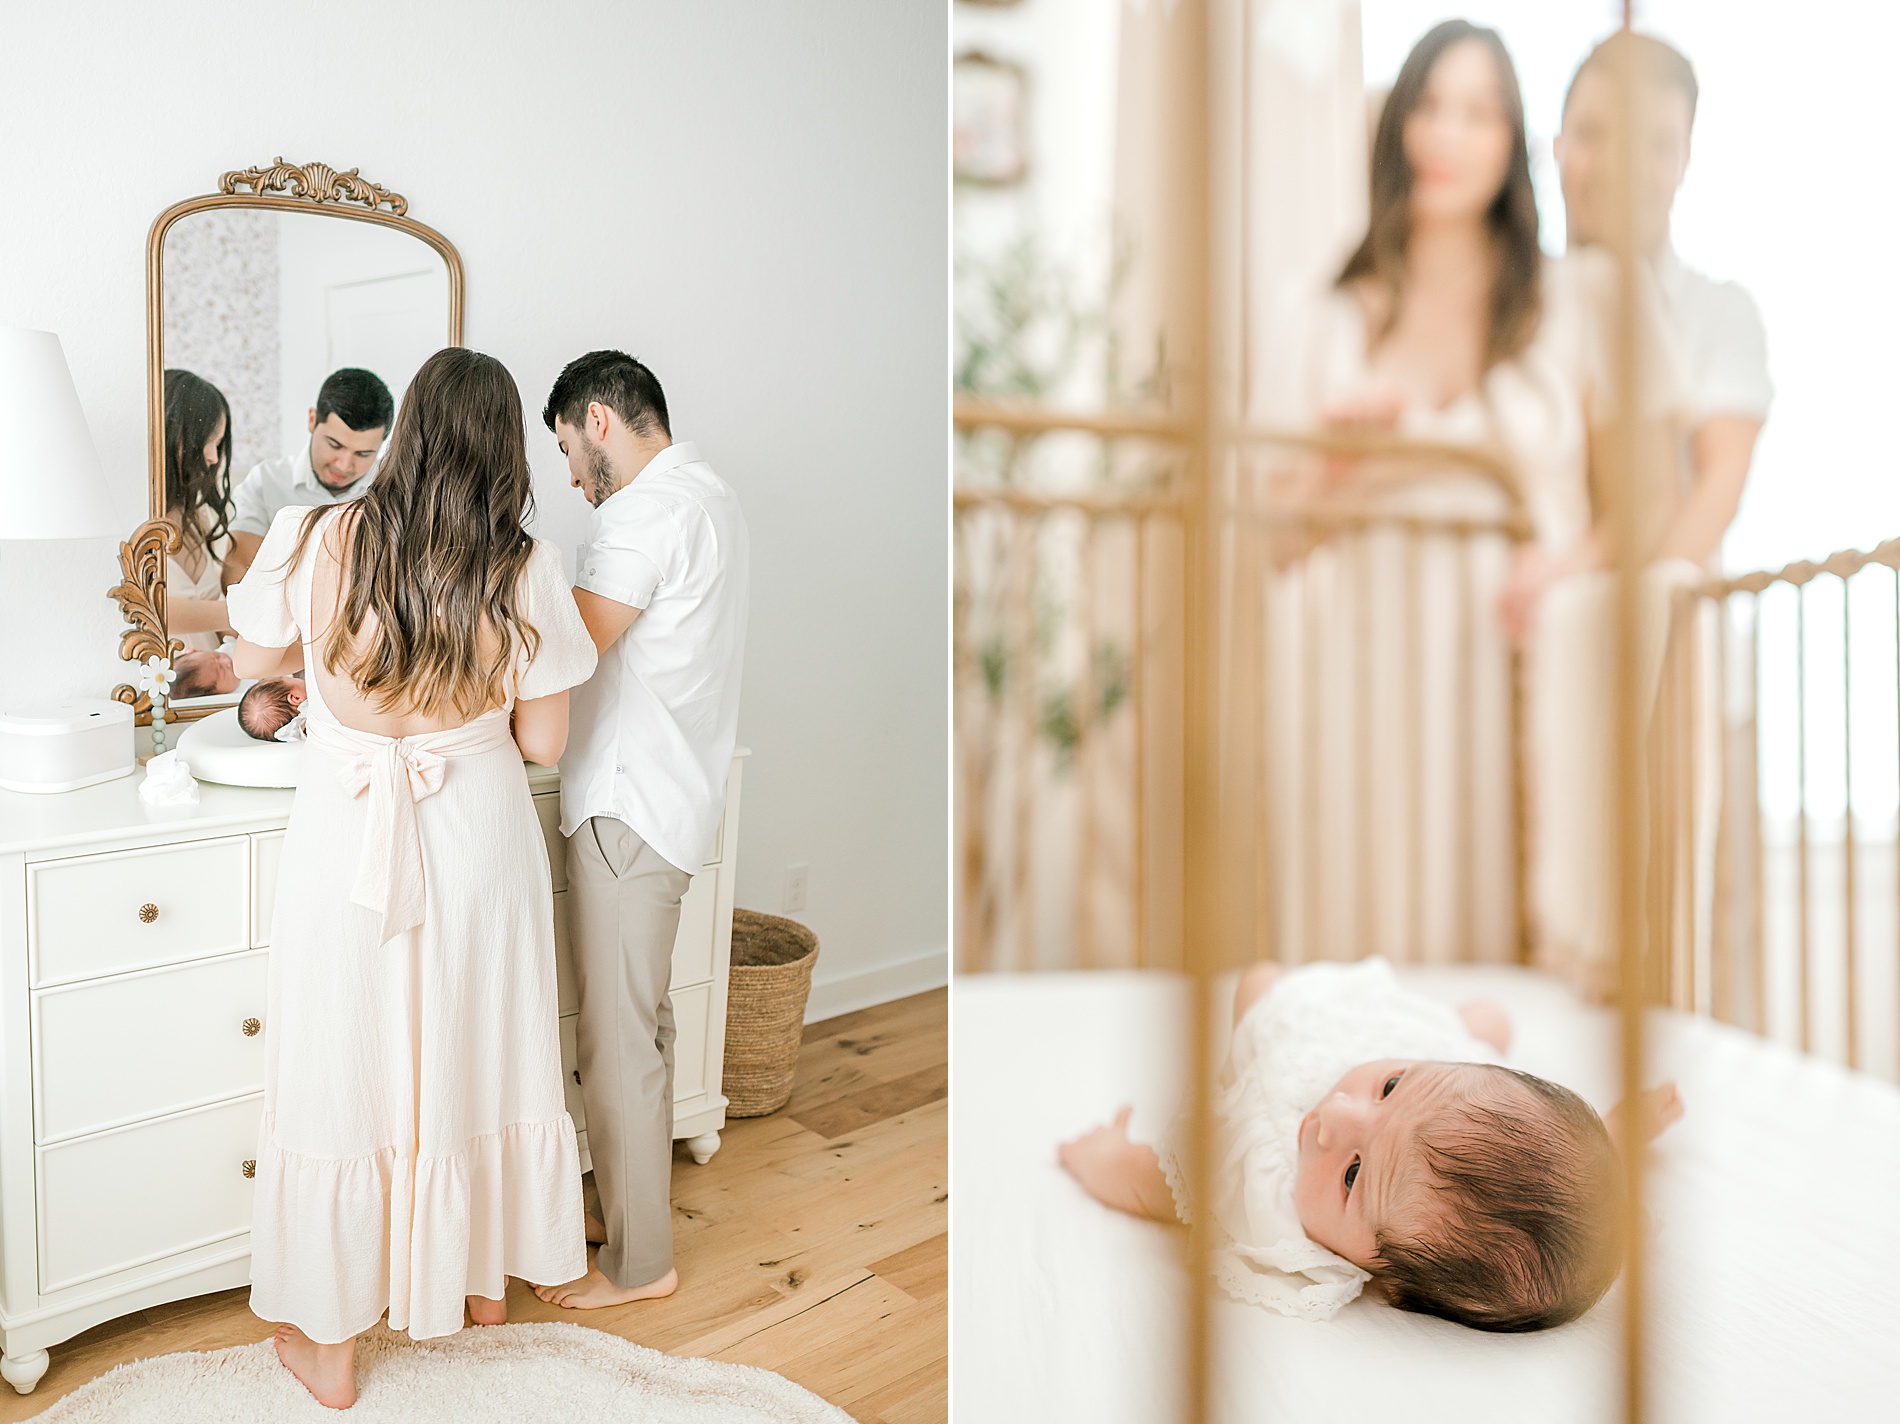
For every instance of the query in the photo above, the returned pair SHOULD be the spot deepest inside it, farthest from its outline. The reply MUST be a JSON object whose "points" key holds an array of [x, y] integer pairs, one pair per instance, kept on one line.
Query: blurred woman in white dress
{"points": [[1447, 324]]}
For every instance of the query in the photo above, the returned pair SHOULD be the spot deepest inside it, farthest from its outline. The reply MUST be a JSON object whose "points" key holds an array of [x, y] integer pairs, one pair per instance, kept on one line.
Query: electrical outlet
{"points": [[796, 875]]}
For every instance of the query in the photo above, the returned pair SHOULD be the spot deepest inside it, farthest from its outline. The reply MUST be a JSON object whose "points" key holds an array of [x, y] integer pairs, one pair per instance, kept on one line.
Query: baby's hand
{"points": [[1656, 1108], [1117, 1172], [1098, 1151]]}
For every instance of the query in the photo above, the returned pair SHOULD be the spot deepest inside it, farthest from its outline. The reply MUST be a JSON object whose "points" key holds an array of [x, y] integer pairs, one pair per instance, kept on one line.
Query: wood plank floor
{"points": [[814, 1243]]}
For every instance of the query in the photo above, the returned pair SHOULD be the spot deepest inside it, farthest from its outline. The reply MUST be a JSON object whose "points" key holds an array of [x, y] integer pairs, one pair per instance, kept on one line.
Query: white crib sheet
{"points": [[1775, 1211]]}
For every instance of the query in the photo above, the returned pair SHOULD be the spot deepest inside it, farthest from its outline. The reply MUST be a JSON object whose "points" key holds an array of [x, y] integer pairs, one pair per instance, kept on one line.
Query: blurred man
{"points": [[1720, 345], [353, 413]]}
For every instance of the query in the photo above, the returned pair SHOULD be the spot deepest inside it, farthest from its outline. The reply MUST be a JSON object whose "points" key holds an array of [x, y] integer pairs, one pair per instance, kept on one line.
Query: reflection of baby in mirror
{"points": [[202, 674], [269, 711], [1366, 1138]]}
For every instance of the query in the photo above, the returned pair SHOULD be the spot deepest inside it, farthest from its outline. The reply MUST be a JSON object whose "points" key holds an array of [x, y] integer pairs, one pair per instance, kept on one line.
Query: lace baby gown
{"points": [[1319, 1021]]}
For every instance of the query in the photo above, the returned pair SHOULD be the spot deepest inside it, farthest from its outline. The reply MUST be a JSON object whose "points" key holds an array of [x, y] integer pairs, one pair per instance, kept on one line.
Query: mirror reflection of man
{"points": [[1721, 345], [353, 413]]}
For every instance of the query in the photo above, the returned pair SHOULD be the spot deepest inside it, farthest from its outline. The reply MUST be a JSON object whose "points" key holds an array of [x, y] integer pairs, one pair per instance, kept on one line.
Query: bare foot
{"points": [[327, 1371], [596, 1230], [594, 1290], [484, 1311]]}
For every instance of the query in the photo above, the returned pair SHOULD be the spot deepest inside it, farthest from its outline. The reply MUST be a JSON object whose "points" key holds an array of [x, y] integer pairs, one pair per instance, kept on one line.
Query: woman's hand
{"points": [[1533, 570]]}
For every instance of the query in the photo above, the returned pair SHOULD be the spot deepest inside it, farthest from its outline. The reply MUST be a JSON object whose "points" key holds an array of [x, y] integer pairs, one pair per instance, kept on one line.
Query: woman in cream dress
{"points": [[415, 1148], [198, 500], [1447, 324]]}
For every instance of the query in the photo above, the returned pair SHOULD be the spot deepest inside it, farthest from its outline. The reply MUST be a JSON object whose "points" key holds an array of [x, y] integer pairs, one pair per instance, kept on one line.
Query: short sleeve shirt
{"points": [[651, 735], [283, 483], [270, 606], [1721, 344]]}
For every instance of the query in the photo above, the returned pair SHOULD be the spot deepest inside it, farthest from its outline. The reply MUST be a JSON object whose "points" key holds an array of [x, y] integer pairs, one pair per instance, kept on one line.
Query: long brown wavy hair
{"points": [[1517, 261], [193, 407], [437, 548]]}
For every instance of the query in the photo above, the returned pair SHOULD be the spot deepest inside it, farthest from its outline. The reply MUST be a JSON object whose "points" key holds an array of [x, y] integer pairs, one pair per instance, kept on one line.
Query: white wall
{"points": [[397, 288], [750, 197]]}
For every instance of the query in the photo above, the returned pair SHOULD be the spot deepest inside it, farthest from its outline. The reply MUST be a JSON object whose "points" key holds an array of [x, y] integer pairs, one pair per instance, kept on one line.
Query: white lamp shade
{"points": [[51, 483]]}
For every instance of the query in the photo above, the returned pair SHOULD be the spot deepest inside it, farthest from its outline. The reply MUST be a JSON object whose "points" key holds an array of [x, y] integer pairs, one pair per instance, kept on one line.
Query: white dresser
{"points": [[133, 953]]}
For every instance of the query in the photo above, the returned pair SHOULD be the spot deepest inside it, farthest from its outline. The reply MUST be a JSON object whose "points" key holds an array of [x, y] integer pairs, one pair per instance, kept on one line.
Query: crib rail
{"points": [[1357, 624], [1141, 631], [1784, 869]]}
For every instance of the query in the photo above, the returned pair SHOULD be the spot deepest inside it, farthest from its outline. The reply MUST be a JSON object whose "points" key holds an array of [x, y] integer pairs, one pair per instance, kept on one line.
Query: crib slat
{"points": [[1847, 824], [1801, 793]]}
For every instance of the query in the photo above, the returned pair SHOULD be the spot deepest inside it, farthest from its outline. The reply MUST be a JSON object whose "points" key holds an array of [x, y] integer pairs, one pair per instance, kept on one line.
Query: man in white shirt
{"points": [[353, 413], [1721, 348], [662, 588]]}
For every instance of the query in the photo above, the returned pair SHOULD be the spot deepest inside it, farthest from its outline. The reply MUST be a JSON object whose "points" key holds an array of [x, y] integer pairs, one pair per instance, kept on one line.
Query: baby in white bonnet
{"points": [[1366, 1138]]}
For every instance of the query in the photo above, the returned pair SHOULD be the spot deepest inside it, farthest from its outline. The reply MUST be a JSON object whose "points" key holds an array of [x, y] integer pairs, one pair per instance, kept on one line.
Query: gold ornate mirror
{"points": [[285, 314]]}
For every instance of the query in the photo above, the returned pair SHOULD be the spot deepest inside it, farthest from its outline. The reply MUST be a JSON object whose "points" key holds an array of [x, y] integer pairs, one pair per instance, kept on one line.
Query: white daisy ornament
{"points": [[156, 677]]}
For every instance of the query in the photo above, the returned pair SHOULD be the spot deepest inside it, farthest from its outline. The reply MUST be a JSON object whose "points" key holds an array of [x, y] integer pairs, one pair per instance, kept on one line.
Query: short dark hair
{"points": [[1531, 1237], [265, 710], [356, 397], [1657, 62], [618, 381]]}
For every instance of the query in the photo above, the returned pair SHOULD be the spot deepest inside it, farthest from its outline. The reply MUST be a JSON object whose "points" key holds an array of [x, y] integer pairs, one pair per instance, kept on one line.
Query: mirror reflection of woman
{"points": [[415, 1148], [198, 501]]}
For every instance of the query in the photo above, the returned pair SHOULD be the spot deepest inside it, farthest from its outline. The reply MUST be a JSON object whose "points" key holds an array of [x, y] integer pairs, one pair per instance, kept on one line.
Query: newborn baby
{"points": [[1426, 1172], [270, 707], [202, 674]]}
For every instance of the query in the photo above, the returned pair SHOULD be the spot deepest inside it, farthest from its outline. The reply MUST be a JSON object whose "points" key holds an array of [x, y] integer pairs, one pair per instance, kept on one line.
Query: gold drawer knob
{"points": [[250, 1167], [147, 913], [252, 1028]]}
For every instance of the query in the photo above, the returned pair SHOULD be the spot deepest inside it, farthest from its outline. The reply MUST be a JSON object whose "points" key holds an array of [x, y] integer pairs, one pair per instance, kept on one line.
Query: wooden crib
{"points": [[1207, 713]]}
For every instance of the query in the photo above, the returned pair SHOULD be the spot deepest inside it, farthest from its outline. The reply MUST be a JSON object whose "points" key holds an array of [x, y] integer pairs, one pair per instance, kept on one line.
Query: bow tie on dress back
{"points": [[397, 772]]}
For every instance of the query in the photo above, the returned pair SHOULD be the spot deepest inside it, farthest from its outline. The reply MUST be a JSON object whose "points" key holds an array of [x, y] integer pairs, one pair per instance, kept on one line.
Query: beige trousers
{"points": [[623, 912]]}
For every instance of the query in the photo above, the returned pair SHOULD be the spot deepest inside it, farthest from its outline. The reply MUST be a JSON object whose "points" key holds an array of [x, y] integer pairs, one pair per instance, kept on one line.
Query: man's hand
{"points": [[606, 619]]}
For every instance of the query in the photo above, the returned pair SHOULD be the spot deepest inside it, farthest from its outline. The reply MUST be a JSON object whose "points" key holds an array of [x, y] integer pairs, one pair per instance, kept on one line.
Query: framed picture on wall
{"points": [[990, 105]]}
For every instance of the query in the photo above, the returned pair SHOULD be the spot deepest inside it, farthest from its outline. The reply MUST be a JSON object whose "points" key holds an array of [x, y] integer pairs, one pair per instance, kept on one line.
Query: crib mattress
{"points": [[1775, 1220]]}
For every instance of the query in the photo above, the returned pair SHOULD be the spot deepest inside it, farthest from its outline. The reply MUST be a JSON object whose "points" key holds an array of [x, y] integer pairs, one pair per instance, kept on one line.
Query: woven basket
{"points": [[765, 1010]]}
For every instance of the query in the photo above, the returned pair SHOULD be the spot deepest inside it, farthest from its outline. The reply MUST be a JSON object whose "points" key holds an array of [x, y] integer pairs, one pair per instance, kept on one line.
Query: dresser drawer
{"points": [[692, 947], [690, 1009], [102, 914], [267, 853], [112, 1051], [565, 990], [122, 1198], [547, 810], [570, 1071], [699, 927]]}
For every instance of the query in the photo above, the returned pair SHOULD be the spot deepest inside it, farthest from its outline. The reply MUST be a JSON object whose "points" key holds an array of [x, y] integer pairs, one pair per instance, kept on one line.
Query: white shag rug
{"points": [[545, 1371]]}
